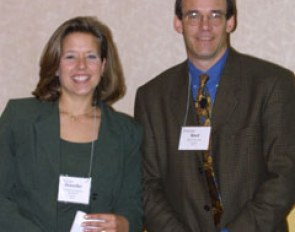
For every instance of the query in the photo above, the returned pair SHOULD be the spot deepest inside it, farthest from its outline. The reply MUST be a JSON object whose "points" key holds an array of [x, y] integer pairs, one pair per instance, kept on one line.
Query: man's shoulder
{"points": [[118, 119], [257, 64], [167, 77]]}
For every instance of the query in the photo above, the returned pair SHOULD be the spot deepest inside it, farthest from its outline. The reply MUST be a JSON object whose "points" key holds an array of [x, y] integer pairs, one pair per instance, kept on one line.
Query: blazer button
{"points": [[94, 196], [207, 208], [201, 171]]}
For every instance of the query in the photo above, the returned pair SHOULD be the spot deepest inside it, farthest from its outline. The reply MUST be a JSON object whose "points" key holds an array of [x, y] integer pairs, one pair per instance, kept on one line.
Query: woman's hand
{"points": [[105, 223]]}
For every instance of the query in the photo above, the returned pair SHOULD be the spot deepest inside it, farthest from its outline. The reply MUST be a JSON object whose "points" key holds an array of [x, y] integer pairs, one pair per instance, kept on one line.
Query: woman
{"points": [[65, 150]]}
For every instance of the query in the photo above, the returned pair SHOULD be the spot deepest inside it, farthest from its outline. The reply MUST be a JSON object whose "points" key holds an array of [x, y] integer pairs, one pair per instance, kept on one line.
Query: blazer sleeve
{"points": [[275, 196], [159, 215], [11, 219]]}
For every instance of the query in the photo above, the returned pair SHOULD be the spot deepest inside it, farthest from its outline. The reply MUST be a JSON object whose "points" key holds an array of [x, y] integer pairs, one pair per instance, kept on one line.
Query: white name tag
{"points": [[194, 138], [74, 190]]}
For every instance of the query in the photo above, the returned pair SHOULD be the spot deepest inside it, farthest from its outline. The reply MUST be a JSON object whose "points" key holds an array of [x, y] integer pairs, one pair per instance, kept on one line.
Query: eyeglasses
{"points": [[194, 18]]}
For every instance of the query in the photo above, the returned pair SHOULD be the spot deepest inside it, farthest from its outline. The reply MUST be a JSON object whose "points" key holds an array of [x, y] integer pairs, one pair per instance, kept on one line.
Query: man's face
{"points": [[205, 30]]}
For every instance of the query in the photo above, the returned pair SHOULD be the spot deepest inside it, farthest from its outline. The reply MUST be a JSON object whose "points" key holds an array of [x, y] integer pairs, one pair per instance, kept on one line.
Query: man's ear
{"points": [[177, 23], [231, 24]]}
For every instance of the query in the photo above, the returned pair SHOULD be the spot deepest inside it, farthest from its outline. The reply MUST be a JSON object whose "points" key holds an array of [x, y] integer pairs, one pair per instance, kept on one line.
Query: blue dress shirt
{"points": [[214, 74], [224, 230]]}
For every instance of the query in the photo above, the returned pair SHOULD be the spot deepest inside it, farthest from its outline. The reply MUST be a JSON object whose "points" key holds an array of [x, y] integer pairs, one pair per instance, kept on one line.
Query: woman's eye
{"points": [[69, 57], [92, 57]]}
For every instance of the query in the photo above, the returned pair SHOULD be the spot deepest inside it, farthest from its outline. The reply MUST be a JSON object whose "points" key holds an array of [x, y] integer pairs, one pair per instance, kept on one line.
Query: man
{"points": [[250, 135]]}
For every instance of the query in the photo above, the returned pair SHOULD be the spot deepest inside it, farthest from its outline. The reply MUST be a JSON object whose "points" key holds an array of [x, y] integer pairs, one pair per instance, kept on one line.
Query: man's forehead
{"points": [[204, 3]]}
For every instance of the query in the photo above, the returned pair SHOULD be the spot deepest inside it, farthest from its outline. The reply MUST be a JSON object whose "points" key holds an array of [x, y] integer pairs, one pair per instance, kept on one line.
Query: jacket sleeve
{"points": [[274, 198], [11, 218], [129, 202], [159, 215]]}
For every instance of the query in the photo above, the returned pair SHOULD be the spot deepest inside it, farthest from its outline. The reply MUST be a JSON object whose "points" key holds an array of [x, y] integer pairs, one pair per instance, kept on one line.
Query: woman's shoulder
{"points": [[30, 102], [119, 119], [25, 106]]}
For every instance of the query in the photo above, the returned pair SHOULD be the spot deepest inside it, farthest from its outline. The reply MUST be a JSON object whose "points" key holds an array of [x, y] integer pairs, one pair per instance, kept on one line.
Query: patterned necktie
{"points": [[203, 109]]}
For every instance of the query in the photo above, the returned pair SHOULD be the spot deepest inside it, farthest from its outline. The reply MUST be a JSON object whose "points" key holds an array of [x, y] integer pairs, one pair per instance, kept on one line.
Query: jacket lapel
{"points": [[181, 98], [47, 134], [226, 98]]}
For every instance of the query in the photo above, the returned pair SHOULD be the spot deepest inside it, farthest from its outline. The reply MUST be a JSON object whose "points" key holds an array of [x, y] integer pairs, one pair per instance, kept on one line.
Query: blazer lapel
{"points": [[227, 94], [47, 142], [181, 98]]}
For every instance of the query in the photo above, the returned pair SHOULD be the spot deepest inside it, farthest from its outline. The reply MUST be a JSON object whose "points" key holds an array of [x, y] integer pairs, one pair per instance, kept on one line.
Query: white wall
{"points": [[144, 35]]}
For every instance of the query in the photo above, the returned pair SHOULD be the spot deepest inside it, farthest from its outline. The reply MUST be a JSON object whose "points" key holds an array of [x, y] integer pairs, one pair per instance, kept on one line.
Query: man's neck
{"points": [[204, 64]]}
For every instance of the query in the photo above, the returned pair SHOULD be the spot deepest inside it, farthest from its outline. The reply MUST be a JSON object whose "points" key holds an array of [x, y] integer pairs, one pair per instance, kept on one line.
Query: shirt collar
{"points": [[214, 72]]}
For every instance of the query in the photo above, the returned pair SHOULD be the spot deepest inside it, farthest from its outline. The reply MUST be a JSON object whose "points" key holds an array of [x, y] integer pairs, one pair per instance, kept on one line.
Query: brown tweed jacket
{"points": [[253, 141]]}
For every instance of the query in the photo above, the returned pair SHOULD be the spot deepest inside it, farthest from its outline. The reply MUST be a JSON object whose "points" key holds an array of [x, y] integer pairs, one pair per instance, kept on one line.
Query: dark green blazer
{"points": [[30, 167], [253, 143]]}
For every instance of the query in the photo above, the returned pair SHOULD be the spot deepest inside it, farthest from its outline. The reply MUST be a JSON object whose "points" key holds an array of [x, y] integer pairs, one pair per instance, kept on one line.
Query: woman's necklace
{"points": [[77, 117]]}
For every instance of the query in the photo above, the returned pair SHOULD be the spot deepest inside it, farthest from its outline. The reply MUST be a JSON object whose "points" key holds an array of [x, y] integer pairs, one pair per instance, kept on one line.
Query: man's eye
{"points": [[216, 15], [194, 15]]}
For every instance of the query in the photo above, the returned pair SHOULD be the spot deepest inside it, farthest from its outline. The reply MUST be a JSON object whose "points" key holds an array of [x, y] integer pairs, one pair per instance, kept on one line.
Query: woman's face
{"points": [[80, 67]]}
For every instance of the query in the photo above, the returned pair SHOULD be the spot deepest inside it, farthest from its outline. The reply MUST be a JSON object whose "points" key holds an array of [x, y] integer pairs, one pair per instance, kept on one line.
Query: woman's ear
{"points": [[103, 66]]}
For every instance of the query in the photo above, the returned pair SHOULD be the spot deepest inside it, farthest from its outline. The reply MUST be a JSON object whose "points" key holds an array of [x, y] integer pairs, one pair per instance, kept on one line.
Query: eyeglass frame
{"points": [[214, 17]]}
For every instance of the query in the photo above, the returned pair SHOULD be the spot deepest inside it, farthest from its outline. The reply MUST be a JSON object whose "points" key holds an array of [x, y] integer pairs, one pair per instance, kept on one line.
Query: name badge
{"points": [[194, 138], [74, 190]]}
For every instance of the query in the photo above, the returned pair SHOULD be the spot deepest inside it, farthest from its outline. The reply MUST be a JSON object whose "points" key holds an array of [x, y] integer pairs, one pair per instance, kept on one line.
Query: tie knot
{"points": [[203, 79]]}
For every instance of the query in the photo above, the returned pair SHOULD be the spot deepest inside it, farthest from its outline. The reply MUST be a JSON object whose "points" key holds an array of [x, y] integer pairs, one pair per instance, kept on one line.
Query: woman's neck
{"points": [[75, 106]]}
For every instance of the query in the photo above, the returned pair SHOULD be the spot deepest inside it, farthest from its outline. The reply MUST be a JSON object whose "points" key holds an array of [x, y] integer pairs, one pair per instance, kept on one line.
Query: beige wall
{"points": [[144, 35], [291, 220]]}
